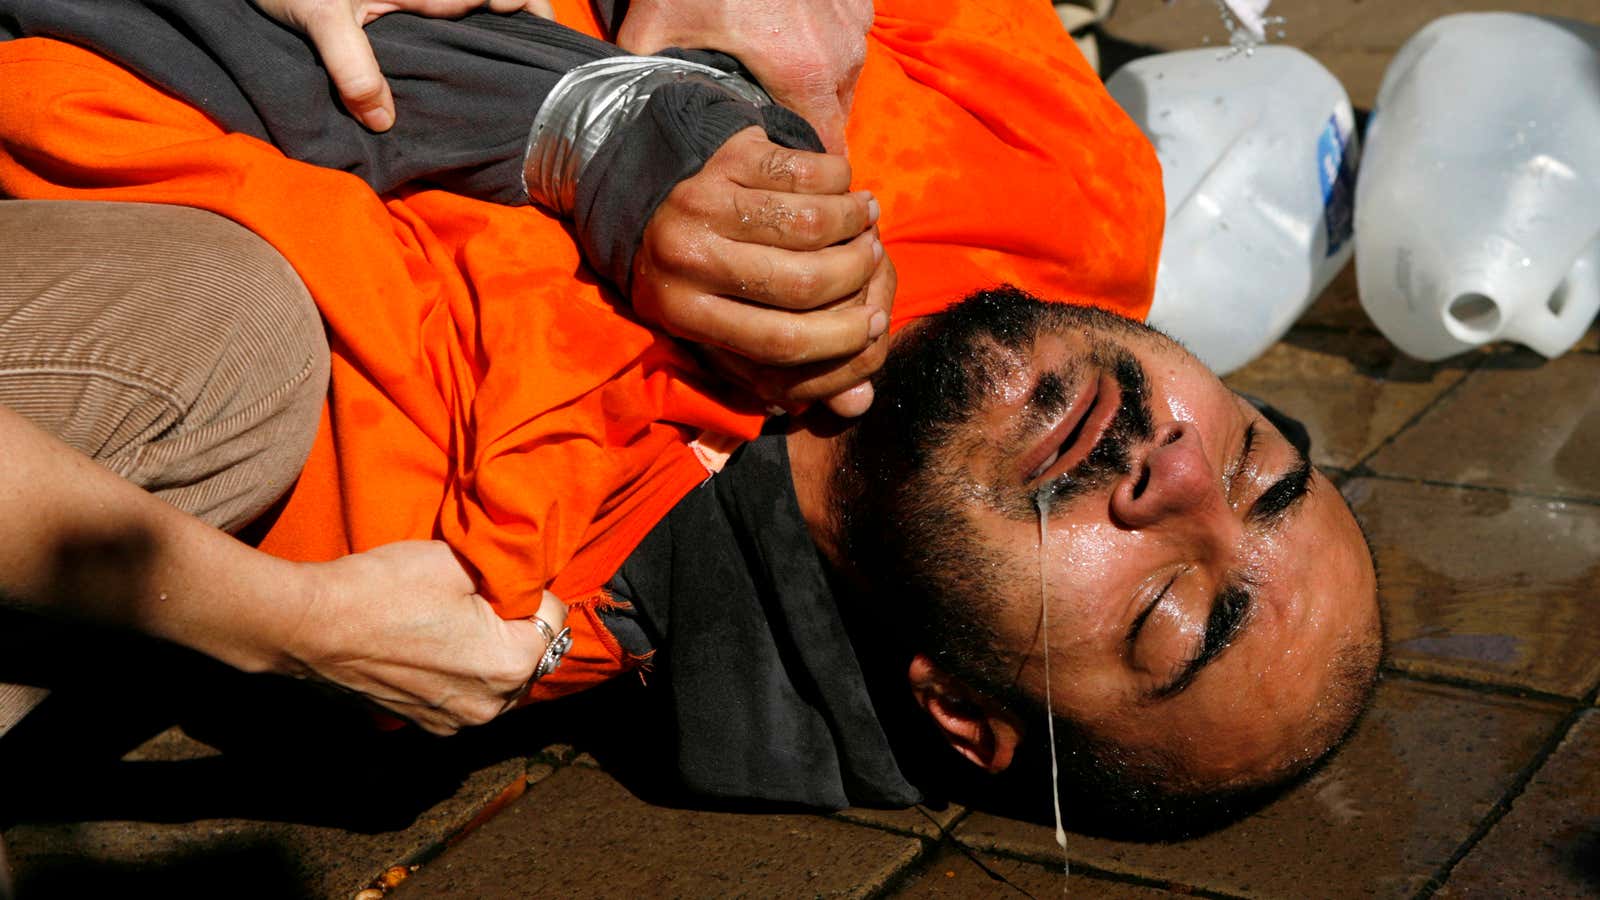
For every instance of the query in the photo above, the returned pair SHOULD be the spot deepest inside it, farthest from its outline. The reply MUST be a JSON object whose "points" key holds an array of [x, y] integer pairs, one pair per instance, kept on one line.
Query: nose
{"points": [[1172, 483]]}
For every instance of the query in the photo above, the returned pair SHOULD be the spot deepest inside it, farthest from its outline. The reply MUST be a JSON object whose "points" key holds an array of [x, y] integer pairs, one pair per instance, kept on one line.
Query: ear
{"points": [[974, 725]]}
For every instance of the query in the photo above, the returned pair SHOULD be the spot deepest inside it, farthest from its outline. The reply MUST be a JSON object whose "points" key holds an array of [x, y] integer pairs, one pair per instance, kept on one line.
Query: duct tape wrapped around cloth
{"points": [[639, 120]]}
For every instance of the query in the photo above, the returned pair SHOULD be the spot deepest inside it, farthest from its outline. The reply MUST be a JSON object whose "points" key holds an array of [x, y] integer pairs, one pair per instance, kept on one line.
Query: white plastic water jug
{"points": [[1478, 205], [1258, 155]]}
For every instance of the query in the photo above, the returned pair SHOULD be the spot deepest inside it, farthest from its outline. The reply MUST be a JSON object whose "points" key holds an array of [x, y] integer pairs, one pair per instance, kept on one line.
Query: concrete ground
{"points": [[1477, 773]]}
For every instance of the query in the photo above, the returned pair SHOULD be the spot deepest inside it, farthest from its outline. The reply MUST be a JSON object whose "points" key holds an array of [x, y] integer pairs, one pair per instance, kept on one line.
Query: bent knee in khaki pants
{"points": [[170, 344]]}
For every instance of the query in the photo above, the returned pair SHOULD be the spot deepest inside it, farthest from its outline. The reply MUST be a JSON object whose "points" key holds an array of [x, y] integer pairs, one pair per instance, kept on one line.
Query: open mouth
{"points": [[1074, 438]]}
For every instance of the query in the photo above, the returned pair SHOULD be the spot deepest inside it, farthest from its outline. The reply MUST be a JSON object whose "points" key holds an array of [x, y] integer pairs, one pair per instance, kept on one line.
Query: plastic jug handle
{"points": [[1554, 326]]}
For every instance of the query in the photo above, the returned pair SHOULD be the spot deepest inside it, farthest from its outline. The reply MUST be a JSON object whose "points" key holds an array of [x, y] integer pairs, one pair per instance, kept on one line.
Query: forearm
{"points": [[80, 542], [399, 625]]}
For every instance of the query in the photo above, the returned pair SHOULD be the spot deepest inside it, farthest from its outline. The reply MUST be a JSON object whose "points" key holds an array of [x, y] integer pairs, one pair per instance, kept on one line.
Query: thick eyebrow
{"points": [[1231, 605], [1229, 610], [1270, 509], [1045, 401]]}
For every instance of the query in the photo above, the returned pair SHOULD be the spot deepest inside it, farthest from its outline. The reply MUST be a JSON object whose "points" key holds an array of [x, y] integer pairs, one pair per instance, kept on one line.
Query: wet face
{"points": [[1206, 585]]}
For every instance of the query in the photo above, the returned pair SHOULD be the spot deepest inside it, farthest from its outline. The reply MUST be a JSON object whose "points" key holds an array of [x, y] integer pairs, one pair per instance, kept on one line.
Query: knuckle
{"points": [[510, 676], [770, 215], [780, 165], [785, 345], [675, 250], [759, 285], [365, 86], [810, 226], [806, 172], [480, 712], [678, 314], [697, 199], [671, 247], [805, 284]]}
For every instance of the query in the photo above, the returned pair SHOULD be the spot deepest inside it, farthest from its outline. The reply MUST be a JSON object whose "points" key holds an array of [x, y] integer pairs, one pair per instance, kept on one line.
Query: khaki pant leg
{"points": [[170, 344]]}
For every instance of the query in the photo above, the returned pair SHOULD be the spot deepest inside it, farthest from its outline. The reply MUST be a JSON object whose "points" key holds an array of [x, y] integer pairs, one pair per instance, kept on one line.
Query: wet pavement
{"points": [[1475, 774]]}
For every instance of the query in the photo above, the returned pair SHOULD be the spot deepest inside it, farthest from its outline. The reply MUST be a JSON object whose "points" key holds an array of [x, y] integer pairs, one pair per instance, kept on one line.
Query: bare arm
{"points": [[399, 625], [808, 55]]}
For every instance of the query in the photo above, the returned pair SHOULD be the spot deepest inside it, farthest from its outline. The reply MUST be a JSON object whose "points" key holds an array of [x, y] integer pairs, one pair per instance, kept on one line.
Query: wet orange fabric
{"points": [[488, 392]]}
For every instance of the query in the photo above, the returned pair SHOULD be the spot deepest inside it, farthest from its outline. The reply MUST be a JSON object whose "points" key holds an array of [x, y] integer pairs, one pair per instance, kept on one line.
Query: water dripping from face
{"points": [[1041, 501]]}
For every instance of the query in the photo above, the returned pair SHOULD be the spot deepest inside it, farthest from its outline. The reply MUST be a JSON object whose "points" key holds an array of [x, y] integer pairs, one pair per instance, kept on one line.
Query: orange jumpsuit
{"points": [[487, 391]]}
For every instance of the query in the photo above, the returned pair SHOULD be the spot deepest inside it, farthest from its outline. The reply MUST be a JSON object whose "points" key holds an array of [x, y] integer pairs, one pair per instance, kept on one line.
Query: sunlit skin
{"points": [[1135, 564], [1147, 555]]}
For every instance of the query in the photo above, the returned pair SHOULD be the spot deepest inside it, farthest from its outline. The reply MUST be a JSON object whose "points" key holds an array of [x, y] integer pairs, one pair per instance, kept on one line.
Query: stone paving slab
{"points": [[920, 821], [1589, 343], [1425, 766], [1486, 586], [278, 794], [581, 834], [1425, 770], [1548, 845], [247, 857], [1352, 391], [953, 875], [1518, 422]]}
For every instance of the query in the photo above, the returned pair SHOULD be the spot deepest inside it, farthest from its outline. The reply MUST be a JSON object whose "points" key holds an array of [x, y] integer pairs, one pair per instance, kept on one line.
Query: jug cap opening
{"points": [[1473, 317]]}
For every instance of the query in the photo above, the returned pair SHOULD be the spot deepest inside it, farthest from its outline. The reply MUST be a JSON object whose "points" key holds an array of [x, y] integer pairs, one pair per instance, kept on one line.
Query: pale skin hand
{"points": [[765, 257], [335, 28], [807, 54], [400, 625], [403, 626]]}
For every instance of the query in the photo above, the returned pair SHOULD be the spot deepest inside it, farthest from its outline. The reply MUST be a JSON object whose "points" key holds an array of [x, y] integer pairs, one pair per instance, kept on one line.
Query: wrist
{"points": [[290, 638], [254, 620]]}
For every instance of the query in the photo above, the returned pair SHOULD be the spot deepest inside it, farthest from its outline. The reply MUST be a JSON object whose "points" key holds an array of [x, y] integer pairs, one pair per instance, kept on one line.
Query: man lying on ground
{"points": [[1202, 652]]}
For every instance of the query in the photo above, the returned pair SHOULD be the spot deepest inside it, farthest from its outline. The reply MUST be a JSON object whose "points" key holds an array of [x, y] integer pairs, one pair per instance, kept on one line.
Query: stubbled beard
{"points": [[1112, 455], [902, 520]]}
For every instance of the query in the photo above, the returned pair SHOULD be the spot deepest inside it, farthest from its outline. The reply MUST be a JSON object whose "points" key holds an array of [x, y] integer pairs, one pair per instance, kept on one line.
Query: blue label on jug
{"points": [[1336, 164]]}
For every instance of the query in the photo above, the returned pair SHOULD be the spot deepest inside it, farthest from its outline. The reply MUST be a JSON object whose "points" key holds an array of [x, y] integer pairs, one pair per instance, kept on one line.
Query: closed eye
{"points": [[1229, 611], [1144, 615]]}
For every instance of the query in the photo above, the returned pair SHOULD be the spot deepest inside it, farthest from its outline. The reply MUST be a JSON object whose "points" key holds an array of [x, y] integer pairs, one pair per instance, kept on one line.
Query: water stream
{"points": [[1247, 24], [1041, 500]]}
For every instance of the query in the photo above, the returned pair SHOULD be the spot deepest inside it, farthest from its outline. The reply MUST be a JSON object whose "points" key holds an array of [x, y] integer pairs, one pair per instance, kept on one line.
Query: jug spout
{"points": [[1474, 317], [1477, 204]]}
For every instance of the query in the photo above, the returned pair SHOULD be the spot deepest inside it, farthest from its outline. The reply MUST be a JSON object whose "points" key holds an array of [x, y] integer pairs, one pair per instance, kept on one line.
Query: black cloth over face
{"points": [[767, 695], [466, 92]]}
